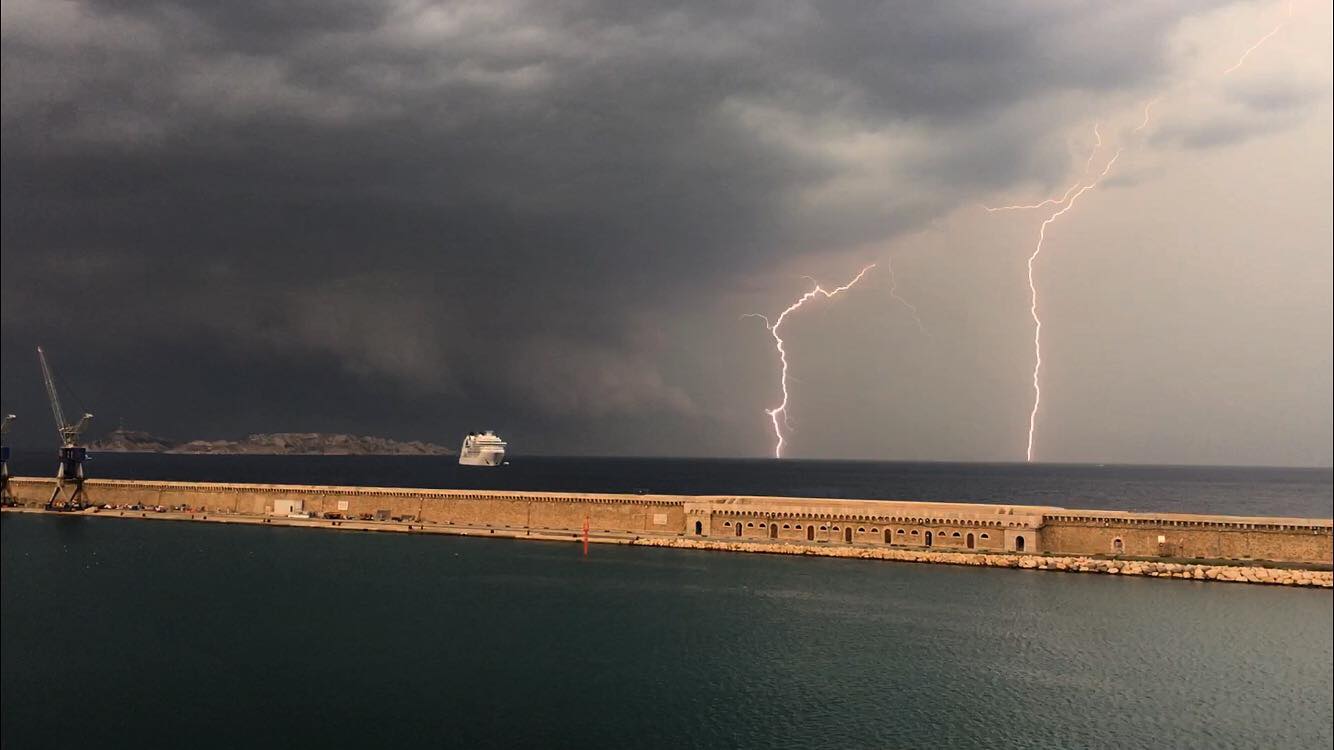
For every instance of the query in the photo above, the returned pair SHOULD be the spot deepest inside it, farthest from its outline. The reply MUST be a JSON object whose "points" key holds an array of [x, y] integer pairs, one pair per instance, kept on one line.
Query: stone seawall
{"points": [[1280, 576], [1197, 546], [1149, 568]]}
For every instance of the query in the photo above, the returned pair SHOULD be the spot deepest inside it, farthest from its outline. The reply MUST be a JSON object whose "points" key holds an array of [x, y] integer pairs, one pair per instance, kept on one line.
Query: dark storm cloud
{"points": [[488, 202]]}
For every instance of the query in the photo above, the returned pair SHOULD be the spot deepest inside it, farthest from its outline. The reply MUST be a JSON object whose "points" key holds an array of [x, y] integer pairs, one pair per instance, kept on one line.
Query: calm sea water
{"points": [[125, 633], [1185, 489]]}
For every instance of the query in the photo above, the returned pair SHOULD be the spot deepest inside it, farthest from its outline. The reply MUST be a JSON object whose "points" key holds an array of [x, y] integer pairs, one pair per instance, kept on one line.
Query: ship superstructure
{"points": [[482, 449]]}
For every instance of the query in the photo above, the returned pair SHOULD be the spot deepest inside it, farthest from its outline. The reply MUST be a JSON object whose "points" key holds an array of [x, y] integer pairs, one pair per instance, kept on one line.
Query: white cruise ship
{"points": [[485, 449]]}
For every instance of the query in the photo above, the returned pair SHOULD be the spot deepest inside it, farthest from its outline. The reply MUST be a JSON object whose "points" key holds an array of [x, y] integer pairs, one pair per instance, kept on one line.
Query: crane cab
{"points": [[71, 462]]}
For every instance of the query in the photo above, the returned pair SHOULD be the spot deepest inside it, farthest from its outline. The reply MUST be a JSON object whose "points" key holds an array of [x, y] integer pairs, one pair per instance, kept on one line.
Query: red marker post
{"points": [[585, 536]]}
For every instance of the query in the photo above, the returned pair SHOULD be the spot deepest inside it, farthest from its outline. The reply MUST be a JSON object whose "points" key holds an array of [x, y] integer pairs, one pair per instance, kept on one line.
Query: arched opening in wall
{"points": [[1019, 544], [738, 529], [699, 528], [889, 536], [970, 541], [928, 539], [773, 531], [810, 533], [847, 535], [1118, 546]]}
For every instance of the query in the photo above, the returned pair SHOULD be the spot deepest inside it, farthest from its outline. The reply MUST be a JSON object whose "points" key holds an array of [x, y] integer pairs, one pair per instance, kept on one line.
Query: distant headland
{"points": [[273, 444]]}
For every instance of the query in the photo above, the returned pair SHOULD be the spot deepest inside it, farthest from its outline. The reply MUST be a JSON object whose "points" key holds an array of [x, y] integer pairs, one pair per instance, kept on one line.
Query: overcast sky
{"points": [[415, 219]]}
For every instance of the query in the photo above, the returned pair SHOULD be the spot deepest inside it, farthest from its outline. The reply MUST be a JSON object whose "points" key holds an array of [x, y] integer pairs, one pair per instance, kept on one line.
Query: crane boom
{"points": [[51, 394], [69, 433]]}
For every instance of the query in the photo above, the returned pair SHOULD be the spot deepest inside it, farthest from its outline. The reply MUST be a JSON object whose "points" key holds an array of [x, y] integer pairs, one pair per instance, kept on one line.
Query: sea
{"points": [[122, 633], [1248, 491]]}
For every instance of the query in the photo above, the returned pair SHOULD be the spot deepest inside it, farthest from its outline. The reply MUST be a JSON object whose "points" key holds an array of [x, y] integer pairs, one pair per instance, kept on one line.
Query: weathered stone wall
{"points": [[889, 523], [1215, 539], [875, 531], [945, 527], [606, 513]]}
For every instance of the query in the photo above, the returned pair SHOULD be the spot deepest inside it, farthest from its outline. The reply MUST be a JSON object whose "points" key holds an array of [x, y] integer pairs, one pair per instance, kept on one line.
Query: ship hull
{"points": [[484, 458]]}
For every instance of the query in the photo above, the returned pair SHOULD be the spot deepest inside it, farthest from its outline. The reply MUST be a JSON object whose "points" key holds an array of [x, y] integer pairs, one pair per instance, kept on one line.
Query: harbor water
{"points": [[125, 633], [1300, 492]]}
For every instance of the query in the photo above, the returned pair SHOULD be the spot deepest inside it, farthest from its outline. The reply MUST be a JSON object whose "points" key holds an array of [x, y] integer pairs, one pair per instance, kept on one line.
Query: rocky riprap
{"points": [[1187, 571]]}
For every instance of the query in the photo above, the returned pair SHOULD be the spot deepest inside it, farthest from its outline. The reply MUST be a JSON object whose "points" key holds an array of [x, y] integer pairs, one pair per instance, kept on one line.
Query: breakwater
{"points": [[1200, 547], [1240, 573]]}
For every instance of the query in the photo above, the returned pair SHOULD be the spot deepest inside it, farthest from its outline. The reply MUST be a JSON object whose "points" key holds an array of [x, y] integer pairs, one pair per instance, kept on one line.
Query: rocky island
{"points": [[276, 443], [131, 441]]}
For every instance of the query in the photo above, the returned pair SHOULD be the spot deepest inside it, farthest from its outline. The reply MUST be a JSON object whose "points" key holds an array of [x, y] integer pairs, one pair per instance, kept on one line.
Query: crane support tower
{"points": [[68, 493], [6, 497]]}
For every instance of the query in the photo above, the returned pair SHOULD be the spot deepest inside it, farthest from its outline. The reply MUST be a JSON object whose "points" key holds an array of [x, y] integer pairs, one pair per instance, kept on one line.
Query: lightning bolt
{"points": [[1148, 107], [1097, 138], [1033, 295], [1067, 201], [1260, 42], [780, 411], [894, 294]]}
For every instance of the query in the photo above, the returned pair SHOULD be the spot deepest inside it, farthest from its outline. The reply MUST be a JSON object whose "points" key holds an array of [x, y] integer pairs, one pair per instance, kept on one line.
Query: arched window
{"points": [[727, 523], [699, 528], [750, 525], [986, 535], [955, 534], [1019, 543], [786, 526], [914, 532], [861, 530], [1118, 546]]}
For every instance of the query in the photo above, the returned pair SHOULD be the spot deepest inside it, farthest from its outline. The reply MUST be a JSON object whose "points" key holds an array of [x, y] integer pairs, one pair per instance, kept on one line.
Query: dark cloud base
{"points": [[414, 220]]}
